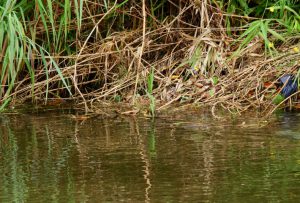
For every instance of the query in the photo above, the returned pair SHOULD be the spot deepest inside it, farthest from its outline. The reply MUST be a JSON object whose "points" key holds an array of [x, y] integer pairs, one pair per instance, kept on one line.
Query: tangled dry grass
{"points": [[190, 52]]}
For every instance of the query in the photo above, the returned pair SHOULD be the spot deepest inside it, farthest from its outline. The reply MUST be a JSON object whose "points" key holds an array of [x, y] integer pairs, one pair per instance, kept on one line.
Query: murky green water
{"points": [[50, 157]]}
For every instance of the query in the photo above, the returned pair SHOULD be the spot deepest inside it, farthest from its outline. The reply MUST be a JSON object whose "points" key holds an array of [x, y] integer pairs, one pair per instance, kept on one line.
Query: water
{"points": [[50, 157]]}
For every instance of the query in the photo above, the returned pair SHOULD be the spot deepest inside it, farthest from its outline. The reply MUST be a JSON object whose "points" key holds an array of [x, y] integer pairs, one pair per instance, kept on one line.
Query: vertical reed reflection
{"points": [[145, 159]]}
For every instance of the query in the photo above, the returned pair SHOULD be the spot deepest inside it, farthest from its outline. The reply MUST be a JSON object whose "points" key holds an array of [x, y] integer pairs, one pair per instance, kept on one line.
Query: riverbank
{"points": [[149, 55]]}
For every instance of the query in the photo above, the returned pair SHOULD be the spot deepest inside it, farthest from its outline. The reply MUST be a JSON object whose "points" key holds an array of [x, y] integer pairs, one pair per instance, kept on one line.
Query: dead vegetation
{"points": [[190, 50]]}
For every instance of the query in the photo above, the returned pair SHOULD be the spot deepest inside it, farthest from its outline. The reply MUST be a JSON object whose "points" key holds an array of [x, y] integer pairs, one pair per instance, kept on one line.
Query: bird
{"points": [[289, 83]]}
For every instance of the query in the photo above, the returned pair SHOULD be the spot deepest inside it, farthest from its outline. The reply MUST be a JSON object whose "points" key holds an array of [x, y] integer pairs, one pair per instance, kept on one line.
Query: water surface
{"points": [[50, 157]]}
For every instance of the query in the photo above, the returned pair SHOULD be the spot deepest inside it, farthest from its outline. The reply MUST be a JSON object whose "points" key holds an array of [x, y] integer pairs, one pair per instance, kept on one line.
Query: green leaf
{"points": [[278, 99], [276, 35], [150, 81], [215, 80]]}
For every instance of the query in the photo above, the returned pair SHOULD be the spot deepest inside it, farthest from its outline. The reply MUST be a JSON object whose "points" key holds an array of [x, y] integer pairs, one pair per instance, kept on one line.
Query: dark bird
{"points": [[289, 84]]}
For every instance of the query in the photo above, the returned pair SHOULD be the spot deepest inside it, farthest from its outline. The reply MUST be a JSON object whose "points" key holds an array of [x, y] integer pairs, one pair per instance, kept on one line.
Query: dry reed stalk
{"points": [[140, 50]]}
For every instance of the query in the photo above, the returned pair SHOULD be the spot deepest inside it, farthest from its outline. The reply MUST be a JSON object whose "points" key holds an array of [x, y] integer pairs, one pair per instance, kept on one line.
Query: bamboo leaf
{"points": [[275, 34]]}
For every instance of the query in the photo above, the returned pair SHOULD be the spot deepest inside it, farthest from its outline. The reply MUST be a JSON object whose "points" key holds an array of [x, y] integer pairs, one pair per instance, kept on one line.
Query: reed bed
{"points": [[145, 53]]}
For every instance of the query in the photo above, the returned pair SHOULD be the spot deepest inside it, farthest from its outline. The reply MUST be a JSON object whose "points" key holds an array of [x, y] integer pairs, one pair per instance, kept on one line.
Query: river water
{"points": [[51, 157]]}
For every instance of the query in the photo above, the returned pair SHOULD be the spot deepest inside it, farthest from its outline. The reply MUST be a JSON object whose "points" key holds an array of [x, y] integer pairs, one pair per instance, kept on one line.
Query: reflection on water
{"points": [[289, 125], [51, 157]]}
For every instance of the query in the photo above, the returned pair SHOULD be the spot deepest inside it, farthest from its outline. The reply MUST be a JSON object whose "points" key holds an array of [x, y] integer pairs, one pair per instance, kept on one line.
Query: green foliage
{"points": [[18, 50], [278, 99], [117, 98], [266, 17], [215, 80], [150, 92], [262, 29], [13, 47], [56, 18], [285, 9]]}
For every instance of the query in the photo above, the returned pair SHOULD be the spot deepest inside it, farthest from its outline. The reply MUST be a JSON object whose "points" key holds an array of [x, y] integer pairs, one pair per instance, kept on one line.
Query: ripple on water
{"points": [[52, 157]]}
